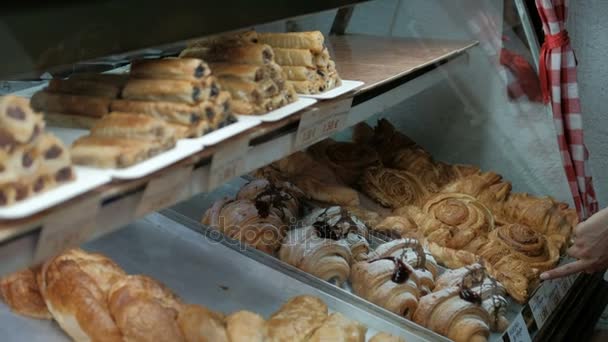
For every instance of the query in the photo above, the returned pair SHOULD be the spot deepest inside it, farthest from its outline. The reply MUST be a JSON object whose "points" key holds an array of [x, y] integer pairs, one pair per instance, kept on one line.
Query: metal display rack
{"points": [[393, 70]]}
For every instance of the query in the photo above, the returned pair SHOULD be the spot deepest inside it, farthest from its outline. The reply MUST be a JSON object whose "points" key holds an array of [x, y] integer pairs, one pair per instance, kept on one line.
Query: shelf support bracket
{"points": [[342, 20]]}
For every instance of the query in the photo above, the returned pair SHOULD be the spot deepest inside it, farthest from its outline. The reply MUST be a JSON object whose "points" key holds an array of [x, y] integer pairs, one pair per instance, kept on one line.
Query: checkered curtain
{"points": [[559, 85]]}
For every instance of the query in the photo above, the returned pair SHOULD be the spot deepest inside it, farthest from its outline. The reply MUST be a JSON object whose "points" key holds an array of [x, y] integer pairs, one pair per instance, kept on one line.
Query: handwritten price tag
{"points": [[319, 124], [518, 331], [165, 191], [68, 227], [227, 163]]}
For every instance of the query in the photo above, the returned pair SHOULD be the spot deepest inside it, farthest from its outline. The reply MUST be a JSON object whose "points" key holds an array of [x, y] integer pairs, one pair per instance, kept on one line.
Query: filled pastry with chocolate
{"points": [[185, 69]]}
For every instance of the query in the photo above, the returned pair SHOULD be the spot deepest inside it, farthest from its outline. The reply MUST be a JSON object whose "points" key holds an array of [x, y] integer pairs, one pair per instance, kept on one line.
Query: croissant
{"points": [[347, 160], [241, 221], [455, 313], [245, 326], [392, 188], [199, 324], [384, 337], [420, 163], [338, 328], [516, 275], [399, 226], [388, 282], [75, 286], [337, 224], [308, 250], [282, 198], [20, 292], [297, 319]]}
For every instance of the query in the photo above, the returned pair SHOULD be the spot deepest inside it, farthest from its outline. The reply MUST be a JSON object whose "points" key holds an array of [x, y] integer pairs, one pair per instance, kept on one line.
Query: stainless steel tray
{"points": [[202, 270]]}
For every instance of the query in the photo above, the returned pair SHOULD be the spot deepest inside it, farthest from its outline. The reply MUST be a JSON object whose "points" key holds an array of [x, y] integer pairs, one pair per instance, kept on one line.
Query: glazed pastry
{"points": [[392, 188], [337, 223], [55, 162], [145, 310], [456, 313], [384, 337], [179, 113], [199, 324], [240, 220], [281, 198], [186, 69], [245, 326], [108, 152], [236, 54], [294, 57], [77, 86], [91, 106], [389, 282], [347, 160], [171, 90], [21, 294], [134, 126], [313, 40], [300, 73], [75, 286], [18, 123], [297, 319], [310, 250], [339, 329]]}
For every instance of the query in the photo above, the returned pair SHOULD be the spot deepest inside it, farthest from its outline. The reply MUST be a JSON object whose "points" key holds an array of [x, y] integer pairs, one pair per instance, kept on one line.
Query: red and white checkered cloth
{"points": [[559, 85]]}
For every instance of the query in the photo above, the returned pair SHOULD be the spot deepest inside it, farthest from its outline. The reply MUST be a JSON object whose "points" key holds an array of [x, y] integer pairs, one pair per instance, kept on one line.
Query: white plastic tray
{"points": [[86, 179], [243, 123], [347, 86], [285, 111]]}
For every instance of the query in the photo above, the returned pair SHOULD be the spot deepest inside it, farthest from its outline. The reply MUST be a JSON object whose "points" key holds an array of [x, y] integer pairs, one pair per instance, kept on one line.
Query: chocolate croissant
{"points": [[282, 198]]}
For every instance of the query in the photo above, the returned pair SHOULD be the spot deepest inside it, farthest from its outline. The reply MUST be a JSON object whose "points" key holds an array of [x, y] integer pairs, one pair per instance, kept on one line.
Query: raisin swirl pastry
{"points": [[392, 188], [282, 198], [390, 282], [240, 220], [337, 224], [346, 159]]}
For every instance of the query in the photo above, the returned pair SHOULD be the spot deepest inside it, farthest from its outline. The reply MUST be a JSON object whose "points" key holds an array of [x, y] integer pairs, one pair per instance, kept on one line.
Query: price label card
{"points": [[68, 227], [321, 123], [518, 331], [228, 162], [165, 190]]}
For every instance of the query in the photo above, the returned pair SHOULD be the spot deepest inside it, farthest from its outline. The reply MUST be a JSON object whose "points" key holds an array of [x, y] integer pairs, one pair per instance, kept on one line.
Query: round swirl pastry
{"points": [[307, 249], [337, 224], [455, 313], [282, 198], [241, 221], [348, 160], [392, 188], [390, 281]]}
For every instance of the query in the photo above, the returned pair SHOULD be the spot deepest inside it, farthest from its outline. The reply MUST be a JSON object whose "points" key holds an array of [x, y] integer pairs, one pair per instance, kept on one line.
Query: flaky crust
{"points": [[170, 90], [20, 292], [297, 319], [245, 326], [186, 69], [384, 337], [200, 324], [107, 152], [339, 328], [180, 113], [312, 40], [90, 106], [392, 188]]}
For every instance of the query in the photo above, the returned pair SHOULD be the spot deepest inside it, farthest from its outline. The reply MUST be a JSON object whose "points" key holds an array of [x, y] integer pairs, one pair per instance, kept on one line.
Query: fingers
{"points": [[567, 269]]}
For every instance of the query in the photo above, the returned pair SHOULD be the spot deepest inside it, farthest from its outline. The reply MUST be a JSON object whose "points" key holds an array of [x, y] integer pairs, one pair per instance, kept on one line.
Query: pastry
{"points": [[308, 87], [281, 198], [450, 257], [384, 138], [240, 220], [118, 80], [145, 310], [515, 275], [297, 319], [456, 313], [75, 286], [420, 163], [90, 106], [300, 73], [109, 152], [294, 57], [242, 37], [244, 72], [236, 54], [313, 41], [171, 90], [252, 92], [185, 69], [339, 329], [487, 187], [173, 112], [389, 282], [245, 326], [347, 160], [337, 223], [384, 337], [369, 217], [312, 251], [20, 292], [70, 120], [77, 86], [55, 162], [134, 126], [398, 226], [200, 324], [323, 60], [18, 123], [392, 188]]}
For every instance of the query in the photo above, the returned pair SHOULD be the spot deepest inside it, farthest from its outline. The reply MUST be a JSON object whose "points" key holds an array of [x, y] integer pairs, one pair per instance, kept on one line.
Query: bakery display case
{"points": [[361, 166]]}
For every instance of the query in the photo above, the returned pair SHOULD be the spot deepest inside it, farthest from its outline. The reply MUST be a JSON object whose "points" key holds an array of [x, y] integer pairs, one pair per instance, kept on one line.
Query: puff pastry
{"points": [[91, 106], [200, 324], [173, 112], [186, 69], [300, 73], [18, 123], [297, 319], [233, 53], [392, 188], [308, 87], [77, 86], [110, 152], [20, 292], [398, 226], [245, 72], [294, 57], [134, 126], [245, 326], [339, 329], [313, 40], [420, 163], [171, 90], [251, 92], [55, 162], [282, 198], [70, 120], [384, 337]]}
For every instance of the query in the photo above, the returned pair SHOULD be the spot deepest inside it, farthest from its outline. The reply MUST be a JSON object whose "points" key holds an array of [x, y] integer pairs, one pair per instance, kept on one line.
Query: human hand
{"points": [[590, 248]]}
